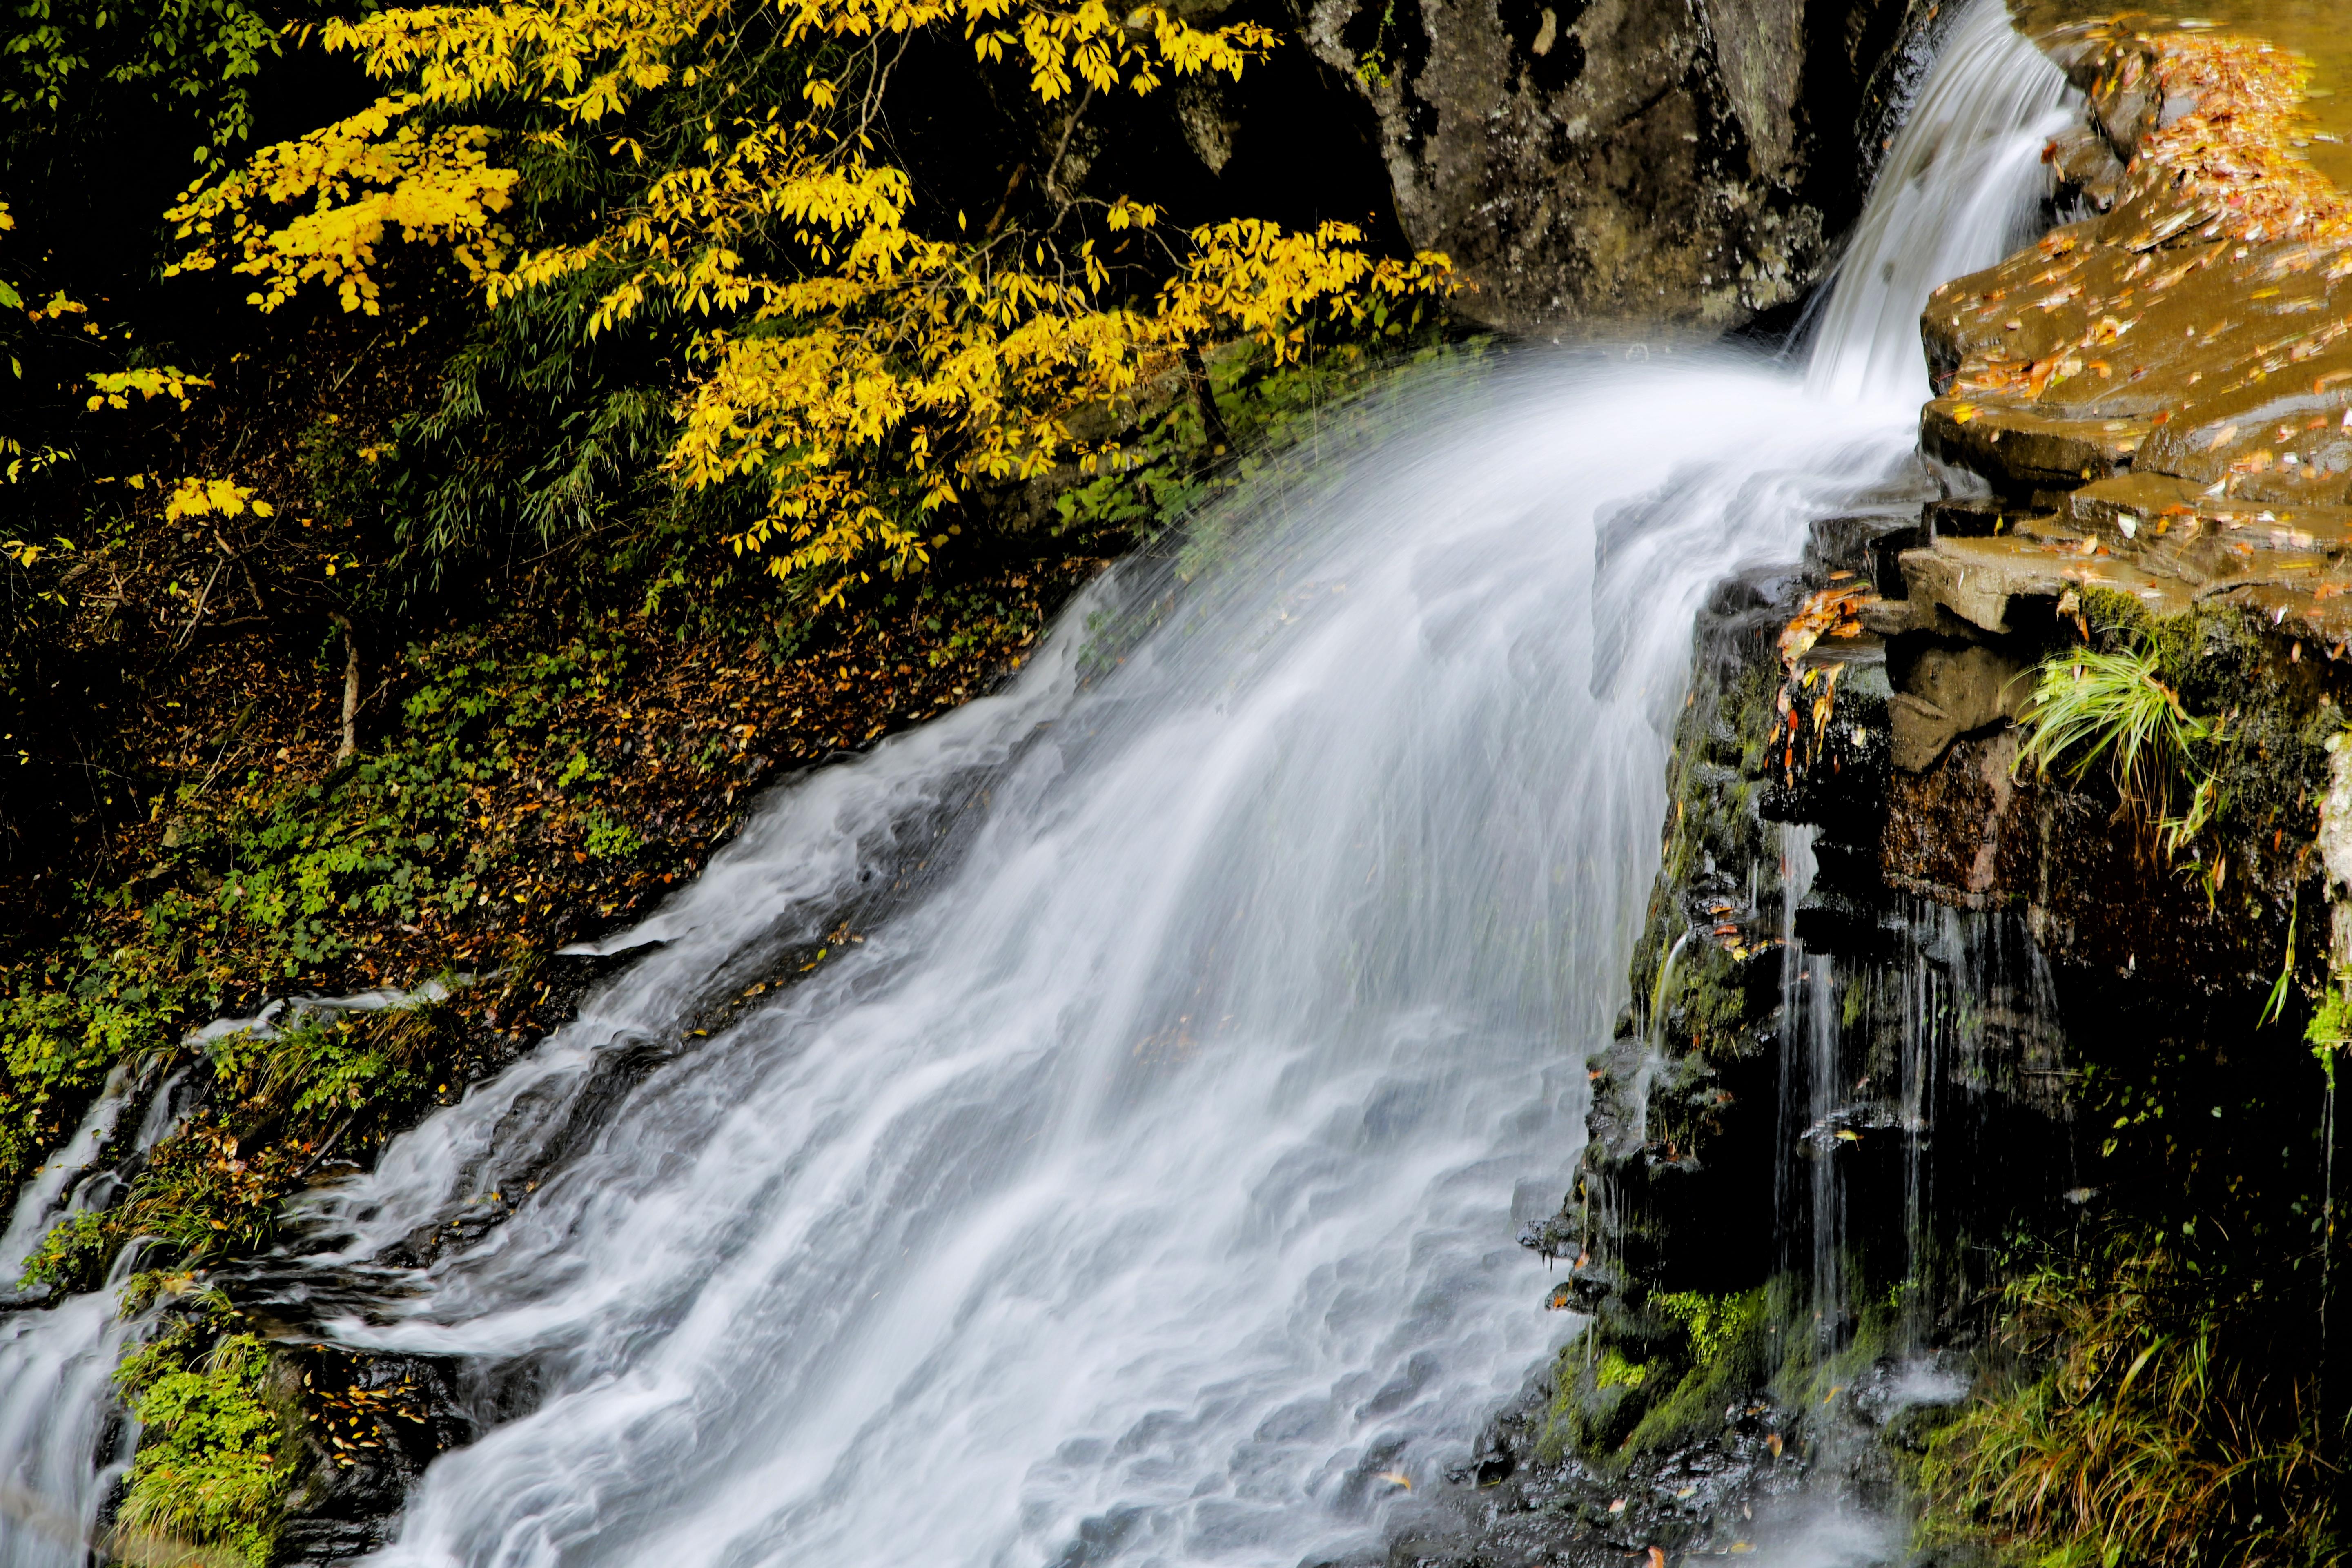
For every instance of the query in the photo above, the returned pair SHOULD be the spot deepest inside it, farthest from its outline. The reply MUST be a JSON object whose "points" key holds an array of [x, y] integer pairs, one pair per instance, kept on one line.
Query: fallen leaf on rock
{"points": [[1823, 613]]}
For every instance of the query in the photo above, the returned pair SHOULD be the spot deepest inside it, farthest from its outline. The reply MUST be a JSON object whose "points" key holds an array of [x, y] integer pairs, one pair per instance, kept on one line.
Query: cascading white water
{"points": [[51, 1189], [1147, 1187], [59, 1427], [63, 1438], [1142, 1186], [1959, 190]]}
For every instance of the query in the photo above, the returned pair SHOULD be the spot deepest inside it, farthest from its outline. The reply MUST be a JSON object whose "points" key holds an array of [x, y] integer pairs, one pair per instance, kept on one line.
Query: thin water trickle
{"points": [[1973, 991], [1138, 1187], [1814, 1098]]}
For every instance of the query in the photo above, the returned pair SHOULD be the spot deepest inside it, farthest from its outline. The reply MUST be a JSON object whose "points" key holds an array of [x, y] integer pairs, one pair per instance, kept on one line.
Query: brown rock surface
{"points": [[2168, 383]]}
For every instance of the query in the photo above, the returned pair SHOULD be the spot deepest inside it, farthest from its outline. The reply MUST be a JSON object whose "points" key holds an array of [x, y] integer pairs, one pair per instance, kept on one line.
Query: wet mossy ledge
{"points": [[1981, 1061]]}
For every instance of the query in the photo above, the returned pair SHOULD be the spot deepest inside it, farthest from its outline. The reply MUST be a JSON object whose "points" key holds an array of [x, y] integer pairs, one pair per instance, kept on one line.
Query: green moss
{"points": [[213, 1461], [1565, 1416], [1649, 1380], [1728, 1361], [2330, 1028], [1716, 1324], [1615, 1372]]}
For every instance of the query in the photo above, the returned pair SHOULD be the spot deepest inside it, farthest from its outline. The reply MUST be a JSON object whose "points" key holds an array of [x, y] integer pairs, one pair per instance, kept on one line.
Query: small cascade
{"points": [[57, 1187], [1961, 187], [64, 1438]]}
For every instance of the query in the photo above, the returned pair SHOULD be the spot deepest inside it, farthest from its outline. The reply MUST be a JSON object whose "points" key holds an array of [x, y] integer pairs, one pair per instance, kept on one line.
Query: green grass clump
{"points": [[2092, 705], [2145, 1422], [214, 1461]]}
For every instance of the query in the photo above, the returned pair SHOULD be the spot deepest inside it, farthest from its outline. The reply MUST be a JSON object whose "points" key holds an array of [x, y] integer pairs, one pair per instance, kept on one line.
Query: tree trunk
{"points": [[350, 686], [1205, 396]]}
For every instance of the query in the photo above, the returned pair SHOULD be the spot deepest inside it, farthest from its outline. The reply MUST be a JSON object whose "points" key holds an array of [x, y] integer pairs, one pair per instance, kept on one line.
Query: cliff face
{"points": [[1593, 162], [1968, 1043], [1588, 165]]}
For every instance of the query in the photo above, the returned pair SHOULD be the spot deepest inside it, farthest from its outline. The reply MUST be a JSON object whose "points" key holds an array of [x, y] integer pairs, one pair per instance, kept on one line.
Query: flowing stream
{"points": [[1145, 1188], [1134, 1176], [63, 1437]]}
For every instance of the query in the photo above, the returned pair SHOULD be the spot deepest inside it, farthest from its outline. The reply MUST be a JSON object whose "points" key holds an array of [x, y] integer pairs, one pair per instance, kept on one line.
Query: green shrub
{"points": [[72, 1258], [214, 1462]]}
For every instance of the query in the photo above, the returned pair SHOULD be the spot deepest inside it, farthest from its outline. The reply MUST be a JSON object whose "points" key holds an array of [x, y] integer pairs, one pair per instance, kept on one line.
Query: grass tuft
{"points": [[2154, 1426], [2092, 705]]}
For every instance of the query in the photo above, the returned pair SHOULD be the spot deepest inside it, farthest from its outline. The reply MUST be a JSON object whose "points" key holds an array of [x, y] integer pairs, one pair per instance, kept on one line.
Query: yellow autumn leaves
{"points": [[856, 372], [214, 498], [362, 178], [812, 414]]}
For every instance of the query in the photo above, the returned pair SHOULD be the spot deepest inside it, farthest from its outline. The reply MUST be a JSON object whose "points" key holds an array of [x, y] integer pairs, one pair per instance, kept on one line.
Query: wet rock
{"points": [[376, 1422], [1507, 1505], [1948, 692], [1598, 161], [2087, 167]]}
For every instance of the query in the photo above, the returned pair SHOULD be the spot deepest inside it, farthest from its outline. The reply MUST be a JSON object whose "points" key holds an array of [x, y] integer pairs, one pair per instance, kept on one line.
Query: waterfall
{"points": [[1131, 1174], [1145, 1186], [1961, 187], [63, 1437]]}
